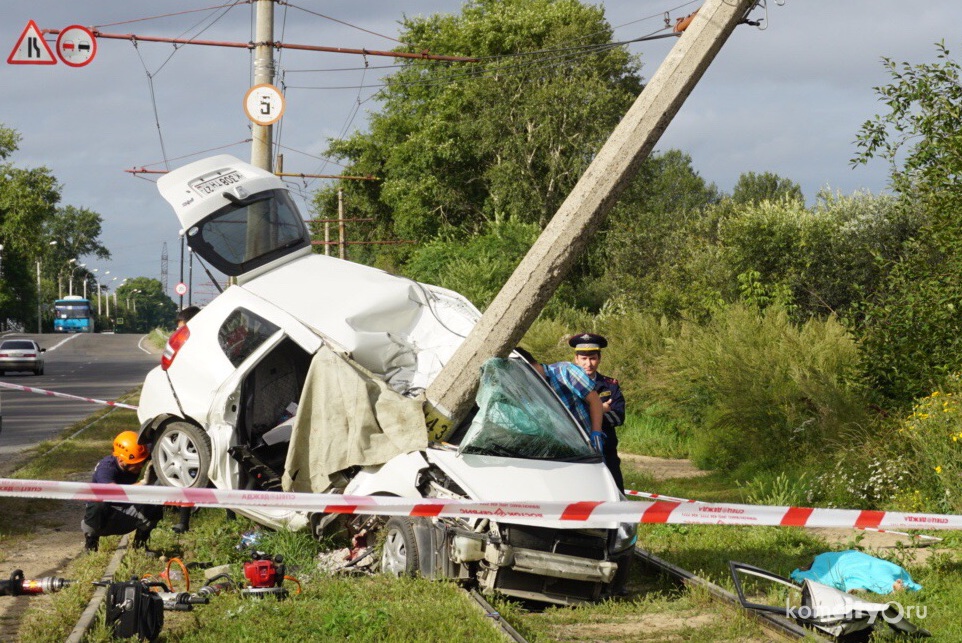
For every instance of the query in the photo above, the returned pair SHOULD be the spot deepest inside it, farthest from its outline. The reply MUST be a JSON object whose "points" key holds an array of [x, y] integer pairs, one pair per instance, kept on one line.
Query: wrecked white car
{"points": [[308, 374]]}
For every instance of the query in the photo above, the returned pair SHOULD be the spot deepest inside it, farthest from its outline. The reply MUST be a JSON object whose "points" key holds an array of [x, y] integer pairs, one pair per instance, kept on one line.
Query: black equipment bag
{"points": [[134, 610]]}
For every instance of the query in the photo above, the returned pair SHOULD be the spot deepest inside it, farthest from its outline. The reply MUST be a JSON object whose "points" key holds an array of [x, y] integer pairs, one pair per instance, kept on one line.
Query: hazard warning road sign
{"points": [[76, 46], [31, 48]]}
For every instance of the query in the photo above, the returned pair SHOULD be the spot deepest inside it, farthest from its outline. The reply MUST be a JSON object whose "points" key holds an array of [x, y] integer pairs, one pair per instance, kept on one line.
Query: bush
{"points": [[760, 391], [934, 432], [826, 257], [476, 267], [871, 473]]}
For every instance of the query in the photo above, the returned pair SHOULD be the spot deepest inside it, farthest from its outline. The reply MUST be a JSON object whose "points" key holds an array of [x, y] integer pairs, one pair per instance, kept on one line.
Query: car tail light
{"points": [[173, 345], [4, 354]]}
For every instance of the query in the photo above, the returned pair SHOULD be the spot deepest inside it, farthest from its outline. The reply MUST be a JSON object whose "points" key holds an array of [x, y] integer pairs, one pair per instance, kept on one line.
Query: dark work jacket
{"points": [[608, 389], [108, 471]]}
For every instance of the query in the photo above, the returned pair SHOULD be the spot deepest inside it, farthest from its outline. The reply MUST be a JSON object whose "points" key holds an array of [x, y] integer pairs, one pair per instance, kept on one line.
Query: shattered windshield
{"points": [[520, 417], [249, 232]]}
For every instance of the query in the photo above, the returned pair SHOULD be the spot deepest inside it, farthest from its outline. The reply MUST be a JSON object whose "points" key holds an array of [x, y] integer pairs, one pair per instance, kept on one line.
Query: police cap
{"points": [[587, 342]]}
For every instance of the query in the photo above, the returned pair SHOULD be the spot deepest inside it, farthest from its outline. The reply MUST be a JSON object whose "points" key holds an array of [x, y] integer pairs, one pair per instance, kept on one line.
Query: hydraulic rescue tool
{"points": [[20, 586]]}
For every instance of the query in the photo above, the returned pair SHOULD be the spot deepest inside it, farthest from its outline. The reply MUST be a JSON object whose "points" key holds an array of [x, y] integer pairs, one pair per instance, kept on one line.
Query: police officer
{"points": [[123, 466], [588, 356]]}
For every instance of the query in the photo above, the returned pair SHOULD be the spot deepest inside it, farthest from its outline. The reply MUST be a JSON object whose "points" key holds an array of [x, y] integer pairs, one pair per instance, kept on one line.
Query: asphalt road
{"points": [[93, 366]]}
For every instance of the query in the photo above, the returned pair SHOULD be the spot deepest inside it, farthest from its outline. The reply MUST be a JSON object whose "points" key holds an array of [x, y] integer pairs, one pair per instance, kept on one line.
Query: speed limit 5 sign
{"points": [[264, 104]]}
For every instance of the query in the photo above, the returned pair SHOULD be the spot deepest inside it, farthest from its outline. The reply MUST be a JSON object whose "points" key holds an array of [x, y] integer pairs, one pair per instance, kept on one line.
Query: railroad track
{"points": [[775, 625], [495, 617], [772, 623]]}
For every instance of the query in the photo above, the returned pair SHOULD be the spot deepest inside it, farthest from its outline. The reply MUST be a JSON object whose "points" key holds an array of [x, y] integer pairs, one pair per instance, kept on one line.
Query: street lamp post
{"points": [[99, 287], [60, 280], [72, 269], [39, 295], [115, 292]]}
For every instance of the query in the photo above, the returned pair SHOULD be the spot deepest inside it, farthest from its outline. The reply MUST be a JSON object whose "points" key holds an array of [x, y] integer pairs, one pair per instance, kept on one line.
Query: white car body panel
{"points": [[395, 327], [201, 366], [396, 477], [520, 480]]}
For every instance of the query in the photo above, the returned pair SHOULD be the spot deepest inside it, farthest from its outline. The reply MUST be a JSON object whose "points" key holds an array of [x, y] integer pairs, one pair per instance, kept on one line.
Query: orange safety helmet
{"points": [[128, 450]]}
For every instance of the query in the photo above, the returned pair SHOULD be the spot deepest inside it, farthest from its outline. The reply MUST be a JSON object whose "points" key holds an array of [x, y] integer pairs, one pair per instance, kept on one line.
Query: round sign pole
{"points": [[76, 46]]}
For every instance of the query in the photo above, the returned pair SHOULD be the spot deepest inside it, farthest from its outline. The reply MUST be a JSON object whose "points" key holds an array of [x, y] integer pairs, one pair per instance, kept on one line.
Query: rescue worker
{"points": [[576, 391], [123, 466], [588, 356]]}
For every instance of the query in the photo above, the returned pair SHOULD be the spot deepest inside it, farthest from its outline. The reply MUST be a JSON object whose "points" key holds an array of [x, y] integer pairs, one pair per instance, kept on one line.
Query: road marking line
{"points": [[61, 343]]}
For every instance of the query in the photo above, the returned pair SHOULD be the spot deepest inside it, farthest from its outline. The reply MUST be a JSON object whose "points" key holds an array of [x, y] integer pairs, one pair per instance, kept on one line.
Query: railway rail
{"points": [[777, 626], [772, 623]]}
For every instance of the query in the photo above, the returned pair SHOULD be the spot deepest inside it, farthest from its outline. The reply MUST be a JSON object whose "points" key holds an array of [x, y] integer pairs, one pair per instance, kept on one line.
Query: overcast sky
{"points": [[788, 99]]}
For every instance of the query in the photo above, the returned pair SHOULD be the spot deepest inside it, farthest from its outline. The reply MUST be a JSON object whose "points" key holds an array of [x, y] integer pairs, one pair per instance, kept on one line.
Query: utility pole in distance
{"points": [[263, 74], [534, 281]]}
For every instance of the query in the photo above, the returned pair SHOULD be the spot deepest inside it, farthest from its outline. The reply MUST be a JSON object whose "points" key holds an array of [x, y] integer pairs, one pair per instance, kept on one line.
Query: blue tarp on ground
{"points": [[848, 570]]}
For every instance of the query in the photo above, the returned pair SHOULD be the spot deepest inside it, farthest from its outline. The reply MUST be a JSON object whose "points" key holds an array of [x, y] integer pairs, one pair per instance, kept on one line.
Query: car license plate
{"points": [[210, 185]]}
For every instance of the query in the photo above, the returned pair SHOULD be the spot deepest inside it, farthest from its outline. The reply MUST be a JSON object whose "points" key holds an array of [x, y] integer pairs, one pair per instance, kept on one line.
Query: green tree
{"points": [[142, 304], [477, 266], [753, 188], [77, 233], [912, 337], [28, 200], [650, 236], [458, 146], [824, 260]]}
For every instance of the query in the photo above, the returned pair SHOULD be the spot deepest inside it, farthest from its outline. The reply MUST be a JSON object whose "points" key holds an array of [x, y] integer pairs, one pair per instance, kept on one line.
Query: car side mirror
{"points": [[43, 350]]}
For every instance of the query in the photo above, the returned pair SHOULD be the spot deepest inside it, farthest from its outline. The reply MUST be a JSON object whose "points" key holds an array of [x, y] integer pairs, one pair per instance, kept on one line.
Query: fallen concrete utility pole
{"points": [[517, 305]]}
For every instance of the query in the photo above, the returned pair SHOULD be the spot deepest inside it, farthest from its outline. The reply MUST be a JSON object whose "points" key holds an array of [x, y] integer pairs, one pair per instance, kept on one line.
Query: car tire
{"points": [[400, 556], [181, 455]]}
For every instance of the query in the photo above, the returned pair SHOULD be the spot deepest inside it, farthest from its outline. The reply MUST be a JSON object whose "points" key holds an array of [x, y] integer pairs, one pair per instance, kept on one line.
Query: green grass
{"points": [[378, 608], [158, 338], [647, 434]]}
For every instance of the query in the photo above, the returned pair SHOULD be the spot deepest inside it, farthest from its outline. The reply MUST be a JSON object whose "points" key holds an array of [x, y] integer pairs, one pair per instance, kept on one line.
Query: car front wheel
{"points": [[181, 455], [400, 554]]}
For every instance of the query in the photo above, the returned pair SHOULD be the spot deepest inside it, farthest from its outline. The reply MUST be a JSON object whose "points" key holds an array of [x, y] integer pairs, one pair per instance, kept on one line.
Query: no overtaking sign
{"points": [[76, 47]]}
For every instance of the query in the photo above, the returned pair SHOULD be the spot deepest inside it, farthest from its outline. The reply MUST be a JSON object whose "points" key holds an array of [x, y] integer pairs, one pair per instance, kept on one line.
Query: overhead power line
{"points": [[424, 55]]}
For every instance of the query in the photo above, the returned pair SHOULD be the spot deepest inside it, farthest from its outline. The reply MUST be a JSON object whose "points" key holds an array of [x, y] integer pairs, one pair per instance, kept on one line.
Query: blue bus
{"points": [[73, 315]]}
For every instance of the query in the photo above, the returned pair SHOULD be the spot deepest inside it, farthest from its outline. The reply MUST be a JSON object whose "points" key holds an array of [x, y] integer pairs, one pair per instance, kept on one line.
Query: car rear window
{"points": [[242, 332], [15, 345]]}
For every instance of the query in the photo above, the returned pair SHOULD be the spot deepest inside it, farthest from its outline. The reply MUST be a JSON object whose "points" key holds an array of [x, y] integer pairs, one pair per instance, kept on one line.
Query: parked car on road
{"points": [[308, 374], [21, 355]]}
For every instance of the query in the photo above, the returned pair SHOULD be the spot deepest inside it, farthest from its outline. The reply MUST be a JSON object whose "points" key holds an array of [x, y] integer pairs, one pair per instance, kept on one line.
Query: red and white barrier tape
{"points": [[657, 496], [68, 396], [569, 514]]}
